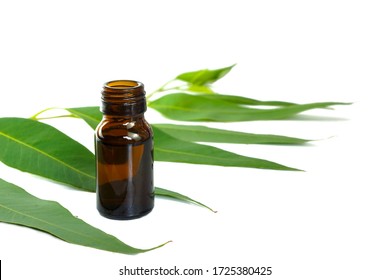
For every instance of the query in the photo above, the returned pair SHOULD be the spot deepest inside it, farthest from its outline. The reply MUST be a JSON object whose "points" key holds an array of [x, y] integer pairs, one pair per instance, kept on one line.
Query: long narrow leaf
{"points": [[241, 100], [204, 76], [21, 208], [178, 196], [187, 107], [172, 149], [91, 115], [41, 149], [199, 133], [200, 89], [175, 150]]}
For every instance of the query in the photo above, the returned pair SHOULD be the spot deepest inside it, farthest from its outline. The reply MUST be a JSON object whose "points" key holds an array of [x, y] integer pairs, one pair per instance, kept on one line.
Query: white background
{"points": [[330, 222]]}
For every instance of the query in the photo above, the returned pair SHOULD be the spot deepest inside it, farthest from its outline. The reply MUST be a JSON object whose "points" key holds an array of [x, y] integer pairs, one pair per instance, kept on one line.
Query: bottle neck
{"points": [[135, 118], [123, 99]]}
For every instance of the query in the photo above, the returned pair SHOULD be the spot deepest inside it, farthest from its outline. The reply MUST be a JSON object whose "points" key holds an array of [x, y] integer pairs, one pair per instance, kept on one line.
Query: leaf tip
{"points": [[212, 210], [157, 247], [295, 169]]}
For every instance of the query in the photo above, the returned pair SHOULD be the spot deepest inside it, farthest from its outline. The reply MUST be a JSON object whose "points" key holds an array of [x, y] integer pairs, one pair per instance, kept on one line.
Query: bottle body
{"points": [[124, 155]]}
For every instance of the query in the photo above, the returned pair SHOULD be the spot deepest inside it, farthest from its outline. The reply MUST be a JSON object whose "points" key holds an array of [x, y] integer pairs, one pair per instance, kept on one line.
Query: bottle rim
{"points": [[123, 97], [123, 85]]}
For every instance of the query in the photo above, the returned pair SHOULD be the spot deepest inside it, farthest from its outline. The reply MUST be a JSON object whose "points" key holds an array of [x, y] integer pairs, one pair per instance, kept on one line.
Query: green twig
{"points": [[160, 89], [56, 117], [36, 116]]}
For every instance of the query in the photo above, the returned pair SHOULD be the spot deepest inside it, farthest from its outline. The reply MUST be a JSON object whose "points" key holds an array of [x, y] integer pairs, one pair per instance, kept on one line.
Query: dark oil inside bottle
{"points": [[125, 181]]}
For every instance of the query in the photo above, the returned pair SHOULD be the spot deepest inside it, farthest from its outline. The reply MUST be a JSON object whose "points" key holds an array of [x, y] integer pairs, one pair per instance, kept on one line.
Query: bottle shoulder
{"points": [[122, 131]]}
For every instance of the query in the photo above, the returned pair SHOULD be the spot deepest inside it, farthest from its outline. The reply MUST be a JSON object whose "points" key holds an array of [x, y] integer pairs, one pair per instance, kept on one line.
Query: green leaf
{"points": [[91, 115], [41, 149], [204, 76], [21, 208], [200, 89], [178, 196], [187, 107], [172, 149], [235, 99], [198, 133]]}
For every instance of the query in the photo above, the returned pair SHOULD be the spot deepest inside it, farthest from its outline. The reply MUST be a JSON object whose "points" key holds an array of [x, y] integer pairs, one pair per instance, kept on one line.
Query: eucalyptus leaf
{"points": [[91, 115], [241, 100], [173, 149], [199, 133], [187, 107], [21, 208], [204, 76], [41, 149], [183, 198], [200, 89]]}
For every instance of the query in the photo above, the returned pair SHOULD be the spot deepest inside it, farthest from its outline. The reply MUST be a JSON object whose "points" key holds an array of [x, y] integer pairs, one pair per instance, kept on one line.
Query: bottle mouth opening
{"points": [[123, 84]]}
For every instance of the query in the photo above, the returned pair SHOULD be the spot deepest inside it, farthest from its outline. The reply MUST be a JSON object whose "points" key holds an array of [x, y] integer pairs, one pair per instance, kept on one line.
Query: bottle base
{"points": [[112, 216]]}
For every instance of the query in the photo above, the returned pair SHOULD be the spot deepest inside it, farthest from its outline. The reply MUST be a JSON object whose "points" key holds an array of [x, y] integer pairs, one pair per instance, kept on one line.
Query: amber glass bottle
{"points": [[124, 153]]}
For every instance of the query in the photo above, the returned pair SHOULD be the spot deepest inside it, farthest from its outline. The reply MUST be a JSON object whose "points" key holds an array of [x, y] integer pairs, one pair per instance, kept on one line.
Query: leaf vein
{"points": [[46, 154]]}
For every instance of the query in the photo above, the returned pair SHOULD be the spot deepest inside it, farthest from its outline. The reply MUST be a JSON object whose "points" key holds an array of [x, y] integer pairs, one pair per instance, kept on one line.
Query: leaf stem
{"points": [[35, 117], [56, 117], [160, 89]]}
